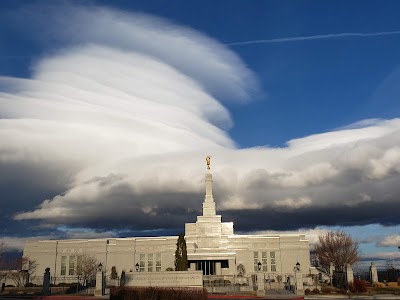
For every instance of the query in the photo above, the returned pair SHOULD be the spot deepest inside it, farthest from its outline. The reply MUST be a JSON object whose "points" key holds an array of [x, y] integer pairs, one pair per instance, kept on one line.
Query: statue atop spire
{"points": [[208, 161]]}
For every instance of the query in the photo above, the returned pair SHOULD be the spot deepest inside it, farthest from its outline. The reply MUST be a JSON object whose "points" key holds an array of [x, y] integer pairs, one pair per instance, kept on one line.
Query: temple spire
{"points": [[208, 204]]}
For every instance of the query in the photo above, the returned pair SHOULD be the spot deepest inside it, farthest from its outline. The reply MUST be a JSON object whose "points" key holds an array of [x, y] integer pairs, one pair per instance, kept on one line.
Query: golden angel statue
{"points": [[208, 161]]}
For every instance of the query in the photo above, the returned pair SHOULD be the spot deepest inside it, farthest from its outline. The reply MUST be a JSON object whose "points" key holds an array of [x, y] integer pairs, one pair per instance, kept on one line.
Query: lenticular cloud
{"points": [[121, 100], [119, 120]]}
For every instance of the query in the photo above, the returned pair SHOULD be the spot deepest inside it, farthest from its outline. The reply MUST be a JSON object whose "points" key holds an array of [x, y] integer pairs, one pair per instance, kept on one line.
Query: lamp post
{"points": [[260, 281], [99, 271], [296, 269], [137, 267], [105, 265]]}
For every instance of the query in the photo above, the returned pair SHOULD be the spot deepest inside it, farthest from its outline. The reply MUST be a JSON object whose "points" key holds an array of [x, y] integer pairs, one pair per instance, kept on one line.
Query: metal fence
{"points": [[228, 283], [388, 275], [339, 279], [384, 275], [364, 275], [241, 284]]}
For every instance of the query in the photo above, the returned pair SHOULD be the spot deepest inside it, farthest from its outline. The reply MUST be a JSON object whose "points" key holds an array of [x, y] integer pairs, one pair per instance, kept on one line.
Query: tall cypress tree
{"points": [[181, 259]]}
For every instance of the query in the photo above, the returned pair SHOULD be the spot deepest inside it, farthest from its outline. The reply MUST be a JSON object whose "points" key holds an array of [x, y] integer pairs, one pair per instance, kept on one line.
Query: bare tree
{"points": [[86, 267], [29, 267], [336, 247], [21, 269], [14, 271], [17, 277]]}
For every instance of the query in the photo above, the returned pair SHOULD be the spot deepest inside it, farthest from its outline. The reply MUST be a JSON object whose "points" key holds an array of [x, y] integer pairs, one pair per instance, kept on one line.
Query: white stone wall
{"points": [[124, 253]]}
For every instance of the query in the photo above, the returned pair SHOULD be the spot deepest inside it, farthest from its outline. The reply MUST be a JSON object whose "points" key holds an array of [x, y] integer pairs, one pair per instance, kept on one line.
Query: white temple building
{"points": [[212, 247]]}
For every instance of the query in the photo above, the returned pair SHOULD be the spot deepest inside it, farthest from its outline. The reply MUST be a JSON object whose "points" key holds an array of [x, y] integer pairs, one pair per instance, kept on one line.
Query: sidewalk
{"points": [[294, 297], [341, 296]]}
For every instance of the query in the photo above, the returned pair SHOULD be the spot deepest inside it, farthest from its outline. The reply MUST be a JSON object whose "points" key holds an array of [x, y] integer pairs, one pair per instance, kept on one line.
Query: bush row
{"points": [[314, 291], [358, 286], [151, 293]]}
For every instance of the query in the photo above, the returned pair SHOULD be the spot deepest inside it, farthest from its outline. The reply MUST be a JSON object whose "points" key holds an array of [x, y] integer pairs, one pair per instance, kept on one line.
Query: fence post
{"points": [[373, 273], [260, 284], [99, 290], [331, 271], [349, 274], [46, 282]]}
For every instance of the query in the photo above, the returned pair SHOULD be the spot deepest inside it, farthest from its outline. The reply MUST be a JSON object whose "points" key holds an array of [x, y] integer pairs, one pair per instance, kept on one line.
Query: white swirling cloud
{"points": [[122, 118]]}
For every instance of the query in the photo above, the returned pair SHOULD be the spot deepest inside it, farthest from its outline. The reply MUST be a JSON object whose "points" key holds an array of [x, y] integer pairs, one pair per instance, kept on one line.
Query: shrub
{"points": [[360, 286], [73, 288], [307, 291], [351, 288], [147, 293], [29, 284], [326, 290], [379, 285], [61, 284], [315, 291]]}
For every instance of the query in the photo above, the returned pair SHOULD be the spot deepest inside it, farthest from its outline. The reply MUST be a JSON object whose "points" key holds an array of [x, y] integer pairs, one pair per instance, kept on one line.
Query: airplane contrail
{"points": [[314, 37]]}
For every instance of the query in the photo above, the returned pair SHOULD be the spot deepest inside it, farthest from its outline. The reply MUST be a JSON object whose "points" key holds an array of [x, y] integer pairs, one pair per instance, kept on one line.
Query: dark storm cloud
{"points": [[273, 219]]}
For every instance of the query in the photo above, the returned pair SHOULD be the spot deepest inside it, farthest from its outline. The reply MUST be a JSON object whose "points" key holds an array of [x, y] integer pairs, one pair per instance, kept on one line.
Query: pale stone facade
{"points": [[212, 247]]}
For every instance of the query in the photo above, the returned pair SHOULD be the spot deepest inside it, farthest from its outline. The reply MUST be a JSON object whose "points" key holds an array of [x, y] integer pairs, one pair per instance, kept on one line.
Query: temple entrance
{"points": [[209, 267]]}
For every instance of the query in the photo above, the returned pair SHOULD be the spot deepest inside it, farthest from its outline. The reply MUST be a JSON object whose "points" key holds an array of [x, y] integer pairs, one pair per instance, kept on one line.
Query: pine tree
{"points": [[181, 259]]}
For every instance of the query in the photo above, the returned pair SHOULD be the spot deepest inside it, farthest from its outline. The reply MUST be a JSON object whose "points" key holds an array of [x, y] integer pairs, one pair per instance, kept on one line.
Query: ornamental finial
{"points": [[208, 161]]}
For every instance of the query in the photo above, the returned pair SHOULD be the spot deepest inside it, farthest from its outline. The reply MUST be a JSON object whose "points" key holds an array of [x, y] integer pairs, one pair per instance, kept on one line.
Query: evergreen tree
{"points": [[181, 259]]}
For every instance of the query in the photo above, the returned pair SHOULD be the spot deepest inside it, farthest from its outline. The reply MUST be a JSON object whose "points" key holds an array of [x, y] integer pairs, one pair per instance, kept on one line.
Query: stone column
{"points": [[218, 268], [260, 284], [192, 266], [232, 267], [331, 271], [374, 273], [349, 273], [46, 282], [299, 282], [209, 209], [99, 291]]}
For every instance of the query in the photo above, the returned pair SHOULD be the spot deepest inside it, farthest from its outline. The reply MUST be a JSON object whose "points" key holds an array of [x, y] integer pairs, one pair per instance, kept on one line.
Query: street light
{"points": [[137, 267], [296, 269], [298, 266], [259, 266]]}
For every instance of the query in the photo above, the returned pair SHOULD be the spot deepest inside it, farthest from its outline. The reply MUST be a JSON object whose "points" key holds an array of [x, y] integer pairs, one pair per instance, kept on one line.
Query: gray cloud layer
{"points": [[111, 133]]}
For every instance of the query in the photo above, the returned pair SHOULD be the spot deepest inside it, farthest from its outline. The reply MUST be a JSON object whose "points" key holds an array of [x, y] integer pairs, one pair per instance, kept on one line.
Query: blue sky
{"points": [[319, 79], [337, 77]]}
